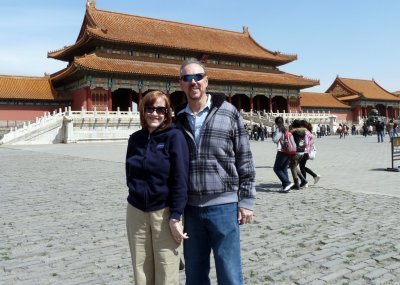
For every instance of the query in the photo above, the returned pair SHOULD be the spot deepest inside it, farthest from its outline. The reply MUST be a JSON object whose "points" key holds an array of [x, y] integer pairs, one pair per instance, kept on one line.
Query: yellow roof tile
{"points": [[368, 89], [124, 66], [324, 100], [24, 87], [132, 29]]}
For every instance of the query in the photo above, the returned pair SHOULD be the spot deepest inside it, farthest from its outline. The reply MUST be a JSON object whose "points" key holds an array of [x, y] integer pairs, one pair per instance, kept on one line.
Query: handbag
{"points": [[312, 153]]}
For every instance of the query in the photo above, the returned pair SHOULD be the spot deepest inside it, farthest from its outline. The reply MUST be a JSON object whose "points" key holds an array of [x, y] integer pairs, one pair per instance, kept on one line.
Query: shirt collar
{"points": [[190, 112]]}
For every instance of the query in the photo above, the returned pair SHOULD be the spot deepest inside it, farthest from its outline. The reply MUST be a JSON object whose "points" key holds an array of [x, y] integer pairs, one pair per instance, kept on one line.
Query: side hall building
{"points": [[364, 95]]}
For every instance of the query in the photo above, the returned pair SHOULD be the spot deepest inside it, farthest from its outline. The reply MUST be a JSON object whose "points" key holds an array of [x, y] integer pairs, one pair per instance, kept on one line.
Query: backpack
{"points": [[288, 145], [300, 140]]}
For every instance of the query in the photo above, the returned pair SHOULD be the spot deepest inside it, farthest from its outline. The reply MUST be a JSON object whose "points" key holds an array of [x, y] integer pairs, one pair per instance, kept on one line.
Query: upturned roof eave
{"points": [[93, 33], [77, 66], [69, 51]]}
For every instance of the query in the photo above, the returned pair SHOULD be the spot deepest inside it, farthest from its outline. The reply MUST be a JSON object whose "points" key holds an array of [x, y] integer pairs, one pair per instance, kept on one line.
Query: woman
{"points": [[299, 136], [157, 163], [310, 143], [282, 158]]}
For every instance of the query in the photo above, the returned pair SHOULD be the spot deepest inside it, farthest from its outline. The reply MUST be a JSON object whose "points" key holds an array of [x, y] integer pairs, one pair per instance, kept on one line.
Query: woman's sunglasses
{"points": [[190, 77], [159, 110]]}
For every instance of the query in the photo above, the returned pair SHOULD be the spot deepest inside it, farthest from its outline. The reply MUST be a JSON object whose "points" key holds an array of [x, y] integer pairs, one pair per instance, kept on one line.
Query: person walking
{"points": [[157, 165], [395, 133], [389, 128], [222, 180], [309, 145], [282, 159], [299, 134]]}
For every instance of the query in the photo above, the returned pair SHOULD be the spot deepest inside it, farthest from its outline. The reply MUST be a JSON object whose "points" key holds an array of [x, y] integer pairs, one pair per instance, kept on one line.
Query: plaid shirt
{"points": [[222, 162]]}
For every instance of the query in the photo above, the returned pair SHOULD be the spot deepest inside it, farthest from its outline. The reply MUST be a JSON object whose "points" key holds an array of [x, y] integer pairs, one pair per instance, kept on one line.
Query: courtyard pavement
{"points": [[62, 217]]}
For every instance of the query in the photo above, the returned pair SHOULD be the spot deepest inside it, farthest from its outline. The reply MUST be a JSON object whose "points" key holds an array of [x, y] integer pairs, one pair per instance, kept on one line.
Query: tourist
{"points": [[318, 131], [282, 159], [395, 133], [379, 127], [389, 128], [365, 130], [260, 132], [323, 131], [309, 145], [157, 164], [222, 180], [299, 135], [340, 131]]}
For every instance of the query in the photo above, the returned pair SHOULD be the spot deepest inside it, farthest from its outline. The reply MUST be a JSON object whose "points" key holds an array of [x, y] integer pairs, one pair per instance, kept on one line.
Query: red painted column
{"points": [[270, 103], [139, 96], [89, 103], [298, 105], [109, 99], [287, 105]]}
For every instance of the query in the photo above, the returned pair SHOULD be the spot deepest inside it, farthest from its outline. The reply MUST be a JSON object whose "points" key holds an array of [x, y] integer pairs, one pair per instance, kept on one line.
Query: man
{"points": [[379, 127], [222, 180]]}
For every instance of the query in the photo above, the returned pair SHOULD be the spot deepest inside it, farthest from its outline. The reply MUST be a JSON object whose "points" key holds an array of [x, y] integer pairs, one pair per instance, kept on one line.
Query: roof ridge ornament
{"points": [[91, 3], [246, 30]]}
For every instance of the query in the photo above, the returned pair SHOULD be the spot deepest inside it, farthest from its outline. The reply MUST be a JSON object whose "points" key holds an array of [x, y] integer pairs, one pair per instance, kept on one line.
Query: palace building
{"points": [[364, 95], [118, 58]]}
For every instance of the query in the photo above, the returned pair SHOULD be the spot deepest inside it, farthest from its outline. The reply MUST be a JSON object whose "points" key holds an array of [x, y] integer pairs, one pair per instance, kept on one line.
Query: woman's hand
{"points": [[177, 230]]}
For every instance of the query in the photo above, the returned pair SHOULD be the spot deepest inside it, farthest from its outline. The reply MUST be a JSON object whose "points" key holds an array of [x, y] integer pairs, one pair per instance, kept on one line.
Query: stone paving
{"points": [[62, 217]]}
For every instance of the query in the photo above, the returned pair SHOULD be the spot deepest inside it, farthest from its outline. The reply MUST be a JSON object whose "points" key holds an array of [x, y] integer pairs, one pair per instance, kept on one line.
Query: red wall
{"points": [[24, 113], [344, 115], [79, 99]]}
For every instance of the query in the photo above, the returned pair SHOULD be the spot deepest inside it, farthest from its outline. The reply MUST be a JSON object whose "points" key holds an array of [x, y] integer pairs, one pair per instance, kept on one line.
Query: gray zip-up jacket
{"points": [[221, 167]]}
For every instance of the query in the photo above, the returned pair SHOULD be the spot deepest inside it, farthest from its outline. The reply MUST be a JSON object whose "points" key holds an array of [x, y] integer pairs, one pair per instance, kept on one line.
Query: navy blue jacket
{"points": [[157, 167]]}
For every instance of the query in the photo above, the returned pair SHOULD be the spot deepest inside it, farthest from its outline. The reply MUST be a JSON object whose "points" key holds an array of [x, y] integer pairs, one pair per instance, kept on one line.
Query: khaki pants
{"points": [[155, 254]]}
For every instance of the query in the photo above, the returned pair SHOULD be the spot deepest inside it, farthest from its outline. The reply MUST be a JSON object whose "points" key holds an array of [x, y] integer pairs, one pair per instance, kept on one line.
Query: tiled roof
{"points": [[157, 69], [348, 97], [23, 87], [368, 89], [132, 29], [324, 100]]}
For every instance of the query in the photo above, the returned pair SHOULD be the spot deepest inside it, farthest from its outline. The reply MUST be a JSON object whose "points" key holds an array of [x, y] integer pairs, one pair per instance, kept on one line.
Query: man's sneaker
{"points": [[316, 179], [288, 187], [304, 185]]}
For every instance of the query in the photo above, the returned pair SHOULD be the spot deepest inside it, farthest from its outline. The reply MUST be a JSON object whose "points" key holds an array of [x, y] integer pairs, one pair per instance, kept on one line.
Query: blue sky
{"points": [[349, 38]]}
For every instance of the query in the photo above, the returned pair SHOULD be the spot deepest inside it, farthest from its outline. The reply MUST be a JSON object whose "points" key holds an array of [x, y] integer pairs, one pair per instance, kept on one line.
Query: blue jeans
{"points": [[281, 168], [380, 136], [216, 228]]}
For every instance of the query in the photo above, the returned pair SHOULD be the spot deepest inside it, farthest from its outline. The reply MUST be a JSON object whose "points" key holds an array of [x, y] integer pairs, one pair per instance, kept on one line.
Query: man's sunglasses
{"points": [[159, 110], [190, 77]]}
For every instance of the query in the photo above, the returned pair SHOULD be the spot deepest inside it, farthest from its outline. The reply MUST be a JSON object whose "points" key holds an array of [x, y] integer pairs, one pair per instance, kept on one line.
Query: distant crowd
{"points": [[260, 132]]}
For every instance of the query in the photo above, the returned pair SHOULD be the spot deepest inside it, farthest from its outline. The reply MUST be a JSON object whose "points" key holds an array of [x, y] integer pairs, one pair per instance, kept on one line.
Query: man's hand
{"points": [[177, 230], [245, 216]]}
